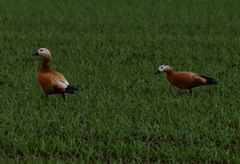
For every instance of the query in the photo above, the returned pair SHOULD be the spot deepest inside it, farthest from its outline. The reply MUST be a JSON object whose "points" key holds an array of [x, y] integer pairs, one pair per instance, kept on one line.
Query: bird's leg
{"points": [[185, 91], [190, 91], [182, 91], [63, 96], [44, 96]]}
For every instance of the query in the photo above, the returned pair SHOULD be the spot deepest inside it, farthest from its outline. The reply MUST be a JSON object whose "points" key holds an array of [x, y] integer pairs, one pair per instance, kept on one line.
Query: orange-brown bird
{"points": [[52, 82], [185, 80]]}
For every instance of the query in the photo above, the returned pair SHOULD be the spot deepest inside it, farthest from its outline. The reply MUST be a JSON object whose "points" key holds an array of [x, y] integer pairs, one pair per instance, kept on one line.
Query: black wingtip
{"points": [[71, 89], [210, 81]]}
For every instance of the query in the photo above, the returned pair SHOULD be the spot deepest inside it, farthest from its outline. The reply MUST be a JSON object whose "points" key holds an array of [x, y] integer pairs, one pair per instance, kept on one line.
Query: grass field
{"points": [[123, 112]]}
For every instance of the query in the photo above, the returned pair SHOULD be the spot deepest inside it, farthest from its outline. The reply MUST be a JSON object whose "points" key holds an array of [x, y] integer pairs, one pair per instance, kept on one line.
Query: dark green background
{"points": [[123, 112]]}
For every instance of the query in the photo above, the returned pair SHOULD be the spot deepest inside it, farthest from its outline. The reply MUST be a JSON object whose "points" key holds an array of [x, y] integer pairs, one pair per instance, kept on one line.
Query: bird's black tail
{"points": [[71, 89], [210, 81]]}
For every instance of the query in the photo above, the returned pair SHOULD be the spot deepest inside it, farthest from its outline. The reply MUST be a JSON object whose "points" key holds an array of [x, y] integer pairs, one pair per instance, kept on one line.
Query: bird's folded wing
{"points": [[199, 79]]}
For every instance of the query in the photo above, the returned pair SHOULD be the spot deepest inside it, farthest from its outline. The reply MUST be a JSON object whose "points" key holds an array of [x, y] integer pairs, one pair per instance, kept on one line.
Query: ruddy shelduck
{"points": [[52, 82], [185, 80]]}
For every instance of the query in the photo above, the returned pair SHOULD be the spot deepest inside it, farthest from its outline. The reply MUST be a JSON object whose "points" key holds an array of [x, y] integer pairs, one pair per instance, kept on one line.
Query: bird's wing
{"points": [[186, 79], [198, 79], [58, 75], [59, 81], [190, 77]]}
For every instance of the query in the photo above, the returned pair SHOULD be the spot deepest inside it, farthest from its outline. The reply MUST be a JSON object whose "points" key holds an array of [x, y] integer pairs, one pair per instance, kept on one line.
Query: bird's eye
{"points": [[41, 50], [161, 67]]}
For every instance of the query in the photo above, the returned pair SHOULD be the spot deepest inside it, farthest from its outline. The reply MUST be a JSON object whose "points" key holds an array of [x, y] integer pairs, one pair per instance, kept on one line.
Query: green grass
{"points": [[123, 112]]}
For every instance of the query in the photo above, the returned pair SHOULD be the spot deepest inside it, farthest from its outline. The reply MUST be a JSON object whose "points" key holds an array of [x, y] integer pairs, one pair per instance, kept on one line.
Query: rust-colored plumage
{"points": [[185, 80], [51, 81]]}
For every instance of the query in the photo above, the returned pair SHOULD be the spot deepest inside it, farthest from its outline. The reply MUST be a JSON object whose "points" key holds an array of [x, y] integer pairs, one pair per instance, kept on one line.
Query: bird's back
{"points": [[185, 80]]}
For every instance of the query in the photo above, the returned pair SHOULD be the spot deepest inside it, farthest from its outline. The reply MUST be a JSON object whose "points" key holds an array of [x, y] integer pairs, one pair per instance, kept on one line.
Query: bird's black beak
{"points": [[157, 72], [35, 54]]}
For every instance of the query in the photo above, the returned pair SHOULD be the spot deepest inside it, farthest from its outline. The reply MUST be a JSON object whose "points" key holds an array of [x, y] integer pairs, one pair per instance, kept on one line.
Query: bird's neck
{"points": [[45, 64], [170, 73]]}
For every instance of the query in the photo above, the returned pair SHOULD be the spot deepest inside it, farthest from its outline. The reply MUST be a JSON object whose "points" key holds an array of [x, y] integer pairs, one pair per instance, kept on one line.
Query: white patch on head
{"points": [[44, 52], [164, 68], [64, 83]]}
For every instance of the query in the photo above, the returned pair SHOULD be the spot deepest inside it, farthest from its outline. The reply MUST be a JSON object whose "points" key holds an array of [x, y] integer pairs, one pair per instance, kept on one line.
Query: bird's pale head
{"points": [[43, 52], [163, 68]]}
